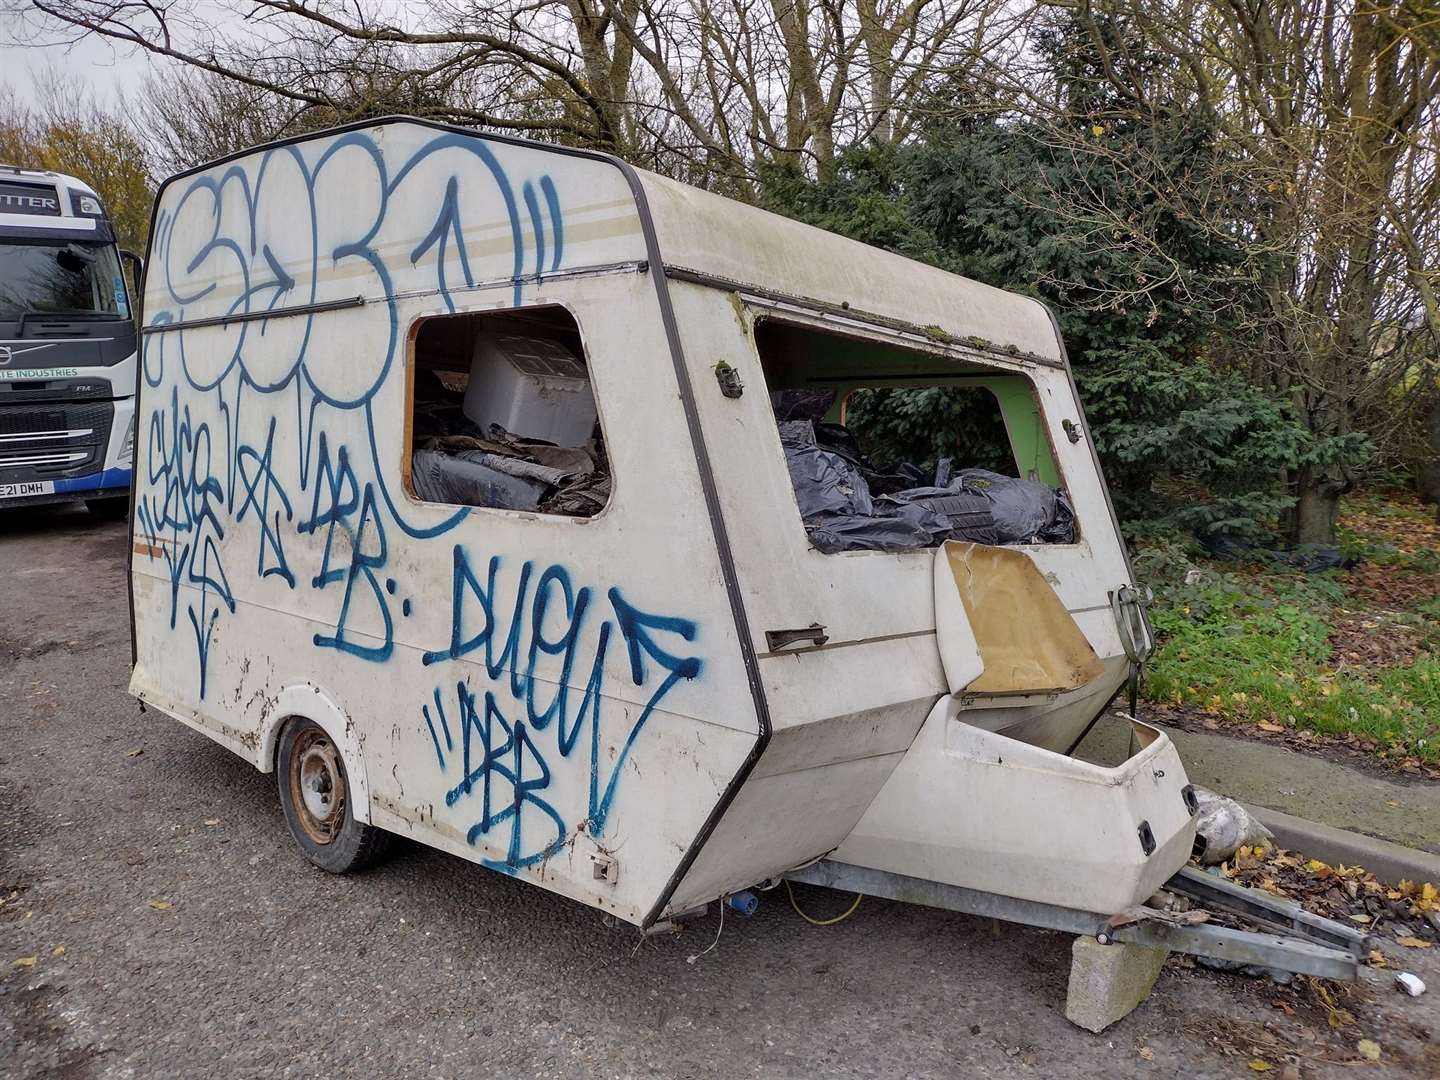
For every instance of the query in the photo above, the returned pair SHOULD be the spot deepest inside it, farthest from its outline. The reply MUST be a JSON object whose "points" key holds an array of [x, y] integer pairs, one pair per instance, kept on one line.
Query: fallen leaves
{"points": [[31, 961], [1335, 1015], [1397, 518], [1389, 586], [1303, 740], [160, 905], [1279, 1044], [1369, 1049], [1360, 645], [1424, 897], [1408, 911]]}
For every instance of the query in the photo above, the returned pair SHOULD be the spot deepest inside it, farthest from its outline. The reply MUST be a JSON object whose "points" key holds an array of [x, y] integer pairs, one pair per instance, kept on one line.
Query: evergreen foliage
{"points": [[1184, 443]]}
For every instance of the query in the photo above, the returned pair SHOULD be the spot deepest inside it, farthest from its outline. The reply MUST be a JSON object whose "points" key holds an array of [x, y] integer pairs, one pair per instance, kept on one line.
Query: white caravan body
{"points": [[615, 707]]}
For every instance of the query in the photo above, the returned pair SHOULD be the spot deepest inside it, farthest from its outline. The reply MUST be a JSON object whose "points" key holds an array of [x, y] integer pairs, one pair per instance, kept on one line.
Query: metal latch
{"points": [[776, 640]]}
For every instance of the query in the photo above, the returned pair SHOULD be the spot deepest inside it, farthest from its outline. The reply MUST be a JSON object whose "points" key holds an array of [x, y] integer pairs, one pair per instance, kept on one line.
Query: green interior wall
{"points": [[797, 357]]}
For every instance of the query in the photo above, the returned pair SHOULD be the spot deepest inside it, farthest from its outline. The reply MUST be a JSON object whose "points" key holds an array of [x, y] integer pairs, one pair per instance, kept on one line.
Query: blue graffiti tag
{"points": [[527, 641], [178, 520], [520, 691], [230, 229]]}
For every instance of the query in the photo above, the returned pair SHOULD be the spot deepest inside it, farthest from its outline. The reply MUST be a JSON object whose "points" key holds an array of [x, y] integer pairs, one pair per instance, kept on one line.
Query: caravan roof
{"points": [[561, 221], [723, 239]]}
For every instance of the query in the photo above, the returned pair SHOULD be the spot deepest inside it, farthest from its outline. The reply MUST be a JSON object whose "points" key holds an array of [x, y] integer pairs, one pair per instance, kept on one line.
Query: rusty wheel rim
{"points": [[317, 785]]}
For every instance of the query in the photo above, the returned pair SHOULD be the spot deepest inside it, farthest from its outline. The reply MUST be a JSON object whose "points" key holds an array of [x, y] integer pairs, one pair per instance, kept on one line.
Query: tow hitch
{"points": [[1286, 937]]}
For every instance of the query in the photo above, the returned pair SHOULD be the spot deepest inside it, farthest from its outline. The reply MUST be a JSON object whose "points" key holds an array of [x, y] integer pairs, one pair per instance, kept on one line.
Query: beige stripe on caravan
{"points": [[481, 241]]}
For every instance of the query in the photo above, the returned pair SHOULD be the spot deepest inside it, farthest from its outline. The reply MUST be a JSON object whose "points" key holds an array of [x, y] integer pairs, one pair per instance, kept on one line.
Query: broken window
{"points": [[503, 414], [929, 424], [892, 448]]}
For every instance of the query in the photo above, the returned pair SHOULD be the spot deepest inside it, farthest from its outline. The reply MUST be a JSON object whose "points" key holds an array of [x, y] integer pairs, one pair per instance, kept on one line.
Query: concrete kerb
{"points": [[1388, 861]]}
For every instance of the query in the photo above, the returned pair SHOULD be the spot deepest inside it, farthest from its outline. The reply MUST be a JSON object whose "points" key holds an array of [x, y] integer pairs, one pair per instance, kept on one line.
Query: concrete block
{"points": [[1108, 981]]}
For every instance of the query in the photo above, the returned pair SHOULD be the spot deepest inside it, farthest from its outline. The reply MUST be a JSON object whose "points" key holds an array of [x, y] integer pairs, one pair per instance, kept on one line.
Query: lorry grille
{"points": [[54, 440], [51, 390]]}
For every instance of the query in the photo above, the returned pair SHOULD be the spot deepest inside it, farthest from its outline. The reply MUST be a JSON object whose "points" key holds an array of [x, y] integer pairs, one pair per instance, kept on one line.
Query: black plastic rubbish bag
{"points": [[1311, 558], [901, 527], [443, 478], [967, 514], [988, 508], [847, 505], [809, 405], [825, 483], [1024, 511]]}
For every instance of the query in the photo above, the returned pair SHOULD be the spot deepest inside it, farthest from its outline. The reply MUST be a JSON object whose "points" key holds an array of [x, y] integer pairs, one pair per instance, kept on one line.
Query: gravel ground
{"points": [[176, 931]]}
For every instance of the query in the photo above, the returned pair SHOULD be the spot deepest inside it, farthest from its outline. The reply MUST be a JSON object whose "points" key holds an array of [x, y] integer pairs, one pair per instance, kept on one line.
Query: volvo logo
{"points": [[9, 352]]}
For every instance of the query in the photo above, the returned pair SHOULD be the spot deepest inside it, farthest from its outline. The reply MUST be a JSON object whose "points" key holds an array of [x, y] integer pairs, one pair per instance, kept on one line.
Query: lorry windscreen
{"points": [[54, 278]]}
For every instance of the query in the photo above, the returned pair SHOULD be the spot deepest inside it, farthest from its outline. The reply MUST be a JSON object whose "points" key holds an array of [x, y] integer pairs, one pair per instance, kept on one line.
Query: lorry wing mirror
{"points": [[136, 265]]}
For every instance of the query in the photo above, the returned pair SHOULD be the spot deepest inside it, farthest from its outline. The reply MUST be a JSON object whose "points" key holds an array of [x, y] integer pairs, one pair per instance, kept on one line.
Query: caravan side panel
{"points": [[527, 691]]}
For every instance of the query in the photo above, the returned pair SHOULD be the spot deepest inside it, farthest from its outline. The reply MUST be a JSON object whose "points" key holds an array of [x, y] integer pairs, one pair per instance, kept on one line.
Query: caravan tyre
{"points": [[314, 792]]}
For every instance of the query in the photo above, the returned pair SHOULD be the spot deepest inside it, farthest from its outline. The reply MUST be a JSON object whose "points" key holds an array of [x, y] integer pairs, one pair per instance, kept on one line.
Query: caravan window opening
{"points": [[881, 418], [502, 414], [880, 436]]}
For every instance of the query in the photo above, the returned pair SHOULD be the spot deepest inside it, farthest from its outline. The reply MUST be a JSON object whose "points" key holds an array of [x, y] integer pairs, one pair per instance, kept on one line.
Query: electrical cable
{"points": [[696, 956], [822, 922]]}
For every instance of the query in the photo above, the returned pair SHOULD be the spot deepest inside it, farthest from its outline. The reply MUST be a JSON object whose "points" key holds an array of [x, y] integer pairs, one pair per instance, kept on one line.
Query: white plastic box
{"points": [[533, 387]]}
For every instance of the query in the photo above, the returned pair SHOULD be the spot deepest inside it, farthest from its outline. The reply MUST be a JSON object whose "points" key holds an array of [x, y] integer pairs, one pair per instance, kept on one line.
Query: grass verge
{"points": [[1351, 652]]}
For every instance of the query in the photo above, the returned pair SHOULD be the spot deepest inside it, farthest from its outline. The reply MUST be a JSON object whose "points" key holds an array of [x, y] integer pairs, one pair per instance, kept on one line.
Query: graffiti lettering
{"points": [[530, 741], [534, 646]]}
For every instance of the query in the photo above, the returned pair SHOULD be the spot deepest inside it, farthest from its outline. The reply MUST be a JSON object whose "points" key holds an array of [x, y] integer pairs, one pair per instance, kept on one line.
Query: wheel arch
{"points": [[306, 701]]}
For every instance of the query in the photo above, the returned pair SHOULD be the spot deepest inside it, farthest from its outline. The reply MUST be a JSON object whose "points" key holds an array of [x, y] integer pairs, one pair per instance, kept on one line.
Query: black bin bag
{"points": [[833, 488]]}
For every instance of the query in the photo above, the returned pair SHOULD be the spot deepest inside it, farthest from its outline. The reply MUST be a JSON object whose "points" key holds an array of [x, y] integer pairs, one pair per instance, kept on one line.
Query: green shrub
{"points": [[1249, 654], [1184, 444]]}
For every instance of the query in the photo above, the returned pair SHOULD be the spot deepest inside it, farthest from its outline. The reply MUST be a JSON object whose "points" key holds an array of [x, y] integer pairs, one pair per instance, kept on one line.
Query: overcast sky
{"points": [[94, 62], [107, 68]]}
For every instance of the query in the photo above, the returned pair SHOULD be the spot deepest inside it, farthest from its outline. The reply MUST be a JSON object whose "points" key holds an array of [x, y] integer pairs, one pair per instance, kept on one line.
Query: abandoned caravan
{"points": [[545, 511]]}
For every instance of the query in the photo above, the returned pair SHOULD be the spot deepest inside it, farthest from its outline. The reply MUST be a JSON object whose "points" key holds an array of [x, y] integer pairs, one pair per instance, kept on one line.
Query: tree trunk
{"points": [[1428, 475], [1316, 508]]}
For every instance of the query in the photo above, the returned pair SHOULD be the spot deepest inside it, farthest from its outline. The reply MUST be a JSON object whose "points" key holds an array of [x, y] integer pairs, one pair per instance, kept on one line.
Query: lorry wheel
{"points": [[314, 792]]}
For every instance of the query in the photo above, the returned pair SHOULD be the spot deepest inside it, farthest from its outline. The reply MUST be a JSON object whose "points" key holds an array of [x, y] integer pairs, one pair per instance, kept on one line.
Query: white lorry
{"points": [[513, 500], [67, 346]]}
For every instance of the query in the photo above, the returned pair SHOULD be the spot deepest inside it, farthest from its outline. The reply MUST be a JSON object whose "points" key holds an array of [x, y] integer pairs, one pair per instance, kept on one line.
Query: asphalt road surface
{"points": [[158, 921]]}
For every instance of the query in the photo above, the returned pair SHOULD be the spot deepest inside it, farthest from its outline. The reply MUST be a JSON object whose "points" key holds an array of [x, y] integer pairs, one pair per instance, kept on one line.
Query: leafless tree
{"points": [[1326, 116], [68, 130], [706, 89]]}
